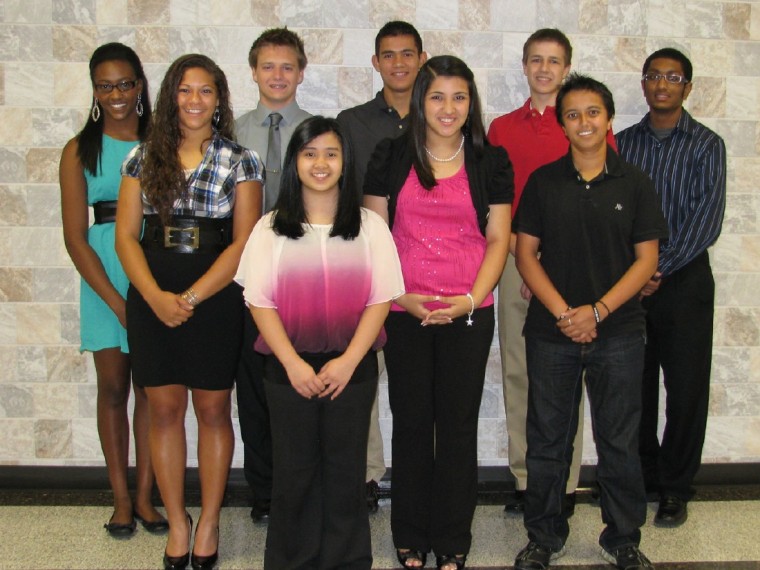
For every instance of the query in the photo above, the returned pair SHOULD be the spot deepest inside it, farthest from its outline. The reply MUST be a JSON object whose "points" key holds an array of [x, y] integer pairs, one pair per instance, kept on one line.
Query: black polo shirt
{"points": [[366, 125], [588, 231]]}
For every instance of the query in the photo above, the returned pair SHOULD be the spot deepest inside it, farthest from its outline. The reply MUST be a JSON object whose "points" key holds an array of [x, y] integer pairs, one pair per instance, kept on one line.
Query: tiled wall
{"points": [[47, 391]]}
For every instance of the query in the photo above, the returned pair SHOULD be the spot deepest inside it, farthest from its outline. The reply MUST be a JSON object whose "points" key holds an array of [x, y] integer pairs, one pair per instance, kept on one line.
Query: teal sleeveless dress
{"points": [[99, 327]]}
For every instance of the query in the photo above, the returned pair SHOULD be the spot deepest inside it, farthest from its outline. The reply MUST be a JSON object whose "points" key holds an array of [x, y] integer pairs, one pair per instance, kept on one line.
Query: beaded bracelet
{"points": [[472, 309]]}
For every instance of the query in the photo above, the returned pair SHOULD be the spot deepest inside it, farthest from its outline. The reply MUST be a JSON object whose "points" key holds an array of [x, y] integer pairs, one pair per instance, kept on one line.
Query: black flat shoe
{"points": [[159, 526], [409, 555], [205, 562], [120, 530], [456, 559], [180, 562]]}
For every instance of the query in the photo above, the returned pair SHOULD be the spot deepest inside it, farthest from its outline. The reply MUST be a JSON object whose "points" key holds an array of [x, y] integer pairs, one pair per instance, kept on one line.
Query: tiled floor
{"points": [[719, 535]]}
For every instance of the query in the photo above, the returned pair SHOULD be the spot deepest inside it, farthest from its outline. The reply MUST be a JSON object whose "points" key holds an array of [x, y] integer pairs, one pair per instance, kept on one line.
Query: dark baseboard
{"points": [[39, 485]]}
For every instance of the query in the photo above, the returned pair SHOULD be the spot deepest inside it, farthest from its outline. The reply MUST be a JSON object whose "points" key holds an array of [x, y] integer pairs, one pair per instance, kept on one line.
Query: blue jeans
{"points": [[613, 368]]}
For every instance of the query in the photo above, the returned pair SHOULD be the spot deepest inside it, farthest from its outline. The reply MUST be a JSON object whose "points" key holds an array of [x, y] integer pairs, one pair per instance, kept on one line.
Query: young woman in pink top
{"points": [[446, 194]]}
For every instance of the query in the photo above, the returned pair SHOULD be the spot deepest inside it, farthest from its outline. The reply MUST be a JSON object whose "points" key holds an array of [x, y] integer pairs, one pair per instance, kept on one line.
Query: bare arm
{"points": [[75, 218]]}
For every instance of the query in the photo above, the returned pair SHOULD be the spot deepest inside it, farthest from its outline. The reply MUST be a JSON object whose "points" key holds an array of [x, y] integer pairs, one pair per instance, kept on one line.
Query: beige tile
{"points": [[736, 20], [72, 86], [474, 15], [708, 97], [8, 324], [15, 284], [66, 364], [52, 439], [12, 205], [111, 12], [16, 439], [444, 43], [42, 164], [142, 12], [266, 13], [38, 324], [323, 46], [592, 16]]}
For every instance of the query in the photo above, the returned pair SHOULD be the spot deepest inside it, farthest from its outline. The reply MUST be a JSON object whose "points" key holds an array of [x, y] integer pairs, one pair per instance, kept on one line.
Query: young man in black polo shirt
{"points": [[597, 223], [398, 58]]}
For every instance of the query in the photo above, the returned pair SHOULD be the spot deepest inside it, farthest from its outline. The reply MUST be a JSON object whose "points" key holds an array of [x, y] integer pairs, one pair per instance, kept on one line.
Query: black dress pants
{"points": [[679, 341]]}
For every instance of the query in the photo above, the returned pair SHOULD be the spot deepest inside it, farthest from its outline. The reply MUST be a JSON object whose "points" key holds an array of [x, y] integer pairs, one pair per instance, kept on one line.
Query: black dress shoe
{"points": [[373, 498], [671, 512], [260, 512], [180, 562], [515, 503], [159, 526], [120, 530], [205, 562]]}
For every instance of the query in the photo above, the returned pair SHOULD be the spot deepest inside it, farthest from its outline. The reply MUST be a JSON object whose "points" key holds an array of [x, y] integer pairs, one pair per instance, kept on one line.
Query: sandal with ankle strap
{"points": [[406, 555], [457, 559]]}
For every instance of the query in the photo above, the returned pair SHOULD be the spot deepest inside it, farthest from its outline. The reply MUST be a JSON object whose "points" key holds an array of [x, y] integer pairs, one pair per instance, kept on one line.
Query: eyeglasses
{"points": [[669, 77], [122, 86]]}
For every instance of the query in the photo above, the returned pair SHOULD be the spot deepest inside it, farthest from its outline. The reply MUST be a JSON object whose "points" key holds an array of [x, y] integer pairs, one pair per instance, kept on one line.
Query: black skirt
{"points": [[201, 353]]}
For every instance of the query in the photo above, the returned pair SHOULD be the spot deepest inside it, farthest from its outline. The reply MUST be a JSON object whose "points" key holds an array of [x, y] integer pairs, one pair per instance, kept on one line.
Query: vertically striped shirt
{"points": [[688, 169]]}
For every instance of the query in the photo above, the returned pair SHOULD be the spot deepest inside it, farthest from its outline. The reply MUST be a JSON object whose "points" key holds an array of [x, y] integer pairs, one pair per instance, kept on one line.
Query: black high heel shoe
{"points": [[205, 562], [180, 562]]}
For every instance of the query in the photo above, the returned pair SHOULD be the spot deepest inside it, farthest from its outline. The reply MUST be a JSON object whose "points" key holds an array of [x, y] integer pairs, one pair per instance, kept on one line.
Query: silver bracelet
{"points": [[472, 309], [191, 297]]}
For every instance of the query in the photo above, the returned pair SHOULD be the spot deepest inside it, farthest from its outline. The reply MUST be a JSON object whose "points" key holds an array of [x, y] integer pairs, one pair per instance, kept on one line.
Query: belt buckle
{"points": [[193, 231]]}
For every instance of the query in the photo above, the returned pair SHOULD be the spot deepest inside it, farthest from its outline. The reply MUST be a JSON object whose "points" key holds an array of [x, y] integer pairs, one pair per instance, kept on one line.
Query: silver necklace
{"points": [[452, 157]]}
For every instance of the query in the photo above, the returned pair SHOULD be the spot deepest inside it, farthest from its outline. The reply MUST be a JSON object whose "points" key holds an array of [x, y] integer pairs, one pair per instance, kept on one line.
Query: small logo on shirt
{"points": [[619, 207]]}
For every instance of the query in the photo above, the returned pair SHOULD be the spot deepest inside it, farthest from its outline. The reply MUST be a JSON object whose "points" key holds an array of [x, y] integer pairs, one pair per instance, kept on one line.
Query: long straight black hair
{"points": [[473, 129], [90, 138], [290, 214]]}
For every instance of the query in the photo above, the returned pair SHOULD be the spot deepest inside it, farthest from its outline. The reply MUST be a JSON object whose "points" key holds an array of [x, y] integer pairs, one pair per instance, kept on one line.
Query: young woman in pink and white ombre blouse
{"points": [[319, 273], [446, 195]]}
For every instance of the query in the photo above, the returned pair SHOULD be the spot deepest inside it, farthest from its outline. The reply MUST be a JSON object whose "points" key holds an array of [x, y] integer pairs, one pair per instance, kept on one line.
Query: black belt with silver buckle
{"points": [[105, 211], [187, 234]]}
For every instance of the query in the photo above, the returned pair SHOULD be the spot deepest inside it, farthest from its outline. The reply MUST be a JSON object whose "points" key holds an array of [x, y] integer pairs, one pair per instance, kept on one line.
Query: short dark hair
{"points": [[398, 28], [578, 82], [442, 66], [670, 53], [278, 37], [549, 35], [290, 214]]}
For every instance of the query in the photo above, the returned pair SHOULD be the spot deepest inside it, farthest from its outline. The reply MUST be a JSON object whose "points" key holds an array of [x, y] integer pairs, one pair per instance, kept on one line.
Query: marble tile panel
{"points": [[592, 17], [74, 12], [666, 18], [10, 43], [627, 18], [703, 20], [354, 14], [226, 12], [42, 165], [72, 89], [265, 13], [319, 89], [726, 255], [354, 86], [74, 43], [754, 26], [142, 12], [186, 12], [626, 91], [7, 364], [70, 323], [738, 289], [38, 324], [8, 322], [202, 40], [737, 327], [505, 91], [731, 365], [492, 402], [750, 260], [28, 11], [16, 439], [13, 208], [482, 49], [323, 46], [740, 136], [85, 441], [474, 15], [441, 15], [630, 54], [244, 92], [743, 97], [302, 13], [16, 126], [15, 284], [492, 440], [562, 15], [741, 214], [713, 58], [358, 47], [43, 204], [35, 43], [122, 34], [30, 364], [741, 400], [382, 11], [152, 45], [514, 16], [235, 43], [111, 11], [54, 127], [52, 439], [729, 437], [87, 396], [747, 60], [512, 51], [736, 20], [29, 85], [54, 401], [592, 54], [16, 402], [708, 97], [66, 364], [444, 43]]}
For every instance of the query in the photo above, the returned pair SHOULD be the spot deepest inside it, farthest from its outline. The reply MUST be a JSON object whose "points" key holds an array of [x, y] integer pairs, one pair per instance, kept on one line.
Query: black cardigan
{"points": [[491, 177]]}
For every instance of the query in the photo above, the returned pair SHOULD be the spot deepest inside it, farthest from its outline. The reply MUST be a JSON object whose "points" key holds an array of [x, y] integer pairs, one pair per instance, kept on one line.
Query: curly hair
{"points": [[163, 179]]}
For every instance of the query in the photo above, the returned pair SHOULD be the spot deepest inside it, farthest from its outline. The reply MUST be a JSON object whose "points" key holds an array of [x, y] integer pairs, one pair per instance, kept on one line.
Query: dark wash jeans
{"points": [[613, 369]]}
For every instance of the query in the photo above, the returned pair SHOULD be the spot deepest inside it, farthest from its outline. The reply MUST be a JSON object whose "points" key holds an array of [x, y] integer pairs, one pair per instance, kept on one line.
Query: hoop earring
{"points": [[139, 106], [95, 113], [217, 116]]}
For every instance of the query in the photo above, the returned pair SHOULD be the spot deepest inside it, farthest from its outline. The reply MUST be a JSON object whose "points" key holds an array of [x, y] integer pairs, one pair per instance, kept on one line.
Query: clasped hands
{"points": [[414, 304], [171, 309], [578, 324], [331, 380]]}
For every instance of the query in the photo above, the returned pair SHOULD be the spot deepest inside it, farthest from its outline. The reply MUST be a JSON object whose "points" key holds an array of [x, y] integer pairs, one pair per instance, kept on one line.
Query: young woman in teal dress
{"points": [[90, 176]]}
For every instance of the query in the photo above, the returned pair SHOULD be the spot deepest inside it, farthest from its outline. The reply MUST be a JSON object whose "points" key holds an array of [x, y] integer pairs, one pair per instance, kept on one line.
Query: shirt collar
{"points": [[686, 123], [613, 164], [289, 113], [382, 105]]}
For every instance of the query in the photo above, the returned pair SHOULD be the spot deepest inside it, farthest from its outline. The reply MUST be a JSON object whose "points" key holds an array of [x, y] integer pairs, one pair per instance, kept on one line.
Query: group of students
{"points": [[388, 228]]}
